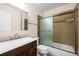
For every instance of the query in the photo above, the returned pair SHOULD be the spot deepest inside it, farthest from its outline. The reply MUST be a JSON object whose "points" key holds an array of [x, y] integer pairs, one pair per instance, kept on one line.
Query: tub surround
{"points": [[13, 44]]}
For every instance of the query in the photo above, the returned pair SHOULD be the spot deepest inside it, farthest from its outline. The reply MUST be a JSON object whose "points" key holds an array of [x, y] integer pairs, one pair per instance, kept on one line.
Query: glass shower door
{"points": [[46, 26]]}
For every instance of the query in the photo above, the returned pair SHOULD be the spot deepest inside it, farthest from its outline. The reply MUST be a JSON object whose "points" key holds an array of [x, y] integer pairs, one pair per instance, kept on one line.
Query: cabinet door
{"points": [[26, 50], [32, 51]]}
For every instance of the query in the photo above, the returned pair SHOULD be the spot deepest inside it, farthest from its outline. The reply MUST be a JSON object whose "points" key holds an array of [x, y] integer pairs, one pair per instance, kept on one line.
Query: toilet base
{"points": [[42, 50], [42, 54]]}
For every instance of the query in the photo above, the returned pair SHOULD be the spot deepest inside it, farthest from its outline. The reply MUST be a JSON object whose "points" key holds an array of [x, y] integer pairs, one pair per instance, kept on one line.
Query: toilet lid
{"points": [[42, 47]]}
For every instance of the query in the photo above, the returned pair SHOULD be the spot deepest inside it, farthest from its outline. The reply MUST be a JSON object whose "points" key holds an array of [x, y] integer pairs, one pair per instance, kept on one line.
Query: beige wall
{"points": [[16, 20], [33, 11]]}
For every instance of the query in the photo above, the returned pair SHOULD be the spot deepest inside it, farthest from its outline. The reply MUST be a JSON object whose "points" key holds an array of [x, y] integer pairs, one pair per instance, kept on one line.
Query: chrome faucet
{"points": [[17, 36]]}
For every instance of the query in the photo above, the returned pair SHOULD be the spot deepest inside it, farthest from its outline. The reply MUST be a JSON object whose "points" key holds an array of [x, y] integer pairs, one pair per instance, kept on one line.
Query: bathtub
{"points": [[57, 52], [64, 47]]}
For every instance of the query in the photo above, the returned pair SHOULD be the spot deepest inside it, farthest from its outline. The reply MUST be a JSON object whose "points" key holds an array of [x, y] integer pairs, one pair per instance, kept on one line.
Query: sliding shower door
{"points": [[58, 32], [64, 32], [46, 31]]}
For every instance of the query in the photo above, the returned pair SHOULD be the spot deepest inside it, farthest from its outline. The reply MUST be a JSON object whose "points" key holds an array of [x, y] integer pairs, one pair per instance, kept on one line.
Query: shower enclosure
{"points": [[58, 31]]}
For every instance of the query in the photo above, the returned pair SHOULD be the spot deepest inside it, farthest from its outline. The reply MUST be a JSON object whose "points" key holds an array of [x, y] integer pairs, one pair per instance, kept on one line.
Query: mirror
{"points": [[12, 18], [5, 21]]}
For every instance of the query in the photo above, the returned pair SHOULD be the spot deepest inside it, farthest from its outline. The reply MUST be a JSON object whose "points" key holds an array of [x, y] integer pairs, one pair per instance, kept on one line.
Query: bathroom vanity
{"points": [[20, 47]]}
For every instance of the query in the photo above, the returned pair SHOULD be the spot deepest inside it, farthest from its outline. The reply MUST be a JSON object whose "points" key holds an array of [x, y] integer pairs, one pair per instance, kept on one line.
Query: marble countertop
{"points": [[12, 44]]}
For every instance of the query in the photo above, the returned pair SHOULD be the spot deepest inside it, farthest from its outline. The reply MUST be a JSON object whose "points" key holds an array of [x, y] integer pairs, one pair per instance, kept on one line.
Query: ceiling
{"points": [[48, 6]]}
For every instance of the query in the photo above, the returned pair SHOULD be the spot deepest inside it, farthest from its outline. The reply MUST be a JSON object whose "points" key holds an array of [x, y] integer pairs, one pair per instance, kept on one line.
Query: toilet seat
{"points": [[41, 47]]}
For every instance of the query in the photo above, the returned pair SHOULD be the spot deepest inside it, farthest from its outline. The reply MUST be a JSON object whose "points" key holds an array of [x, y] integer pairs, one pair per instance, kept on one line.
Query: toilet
{"points": [[42, 50]]}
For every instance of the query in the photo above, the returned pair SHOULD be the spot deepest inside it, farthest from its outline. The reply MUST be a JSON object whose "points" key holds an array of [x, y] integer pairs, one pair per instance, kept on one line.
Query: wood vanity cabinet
{"points": [[26, 50]]}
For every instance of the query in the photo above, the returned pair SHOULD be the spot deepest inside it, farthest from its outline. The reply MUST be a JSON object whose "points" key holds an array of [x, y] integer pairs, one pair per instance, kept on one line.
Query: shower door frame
{"points": [[76, 29]]}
